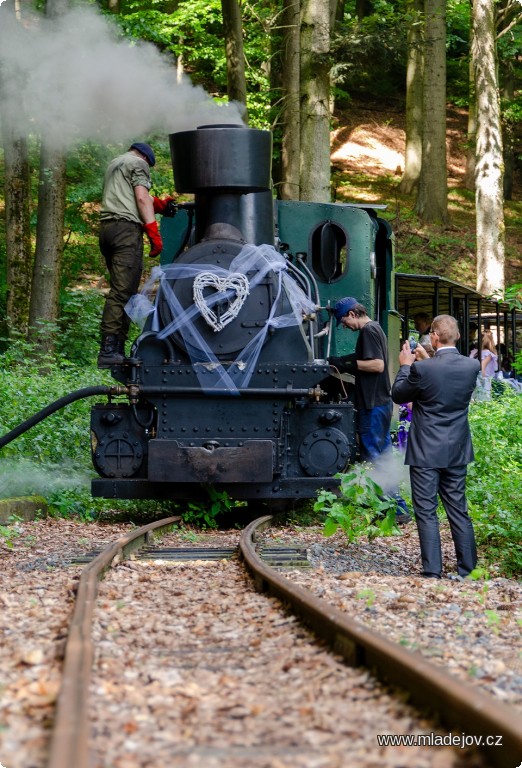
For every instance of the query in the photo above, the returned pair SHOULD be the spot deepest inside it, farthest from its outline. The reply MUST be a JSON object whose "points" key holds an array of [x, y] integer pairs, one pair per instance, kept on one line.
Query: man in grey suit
{"points": [[439, 441]]}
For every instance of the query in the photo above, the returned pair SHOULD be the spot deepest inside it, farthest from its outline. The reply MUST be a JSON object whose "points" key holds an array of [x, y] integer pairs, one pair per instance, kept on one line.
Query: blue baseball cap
{"points": [[146, 150], [344, 306]]}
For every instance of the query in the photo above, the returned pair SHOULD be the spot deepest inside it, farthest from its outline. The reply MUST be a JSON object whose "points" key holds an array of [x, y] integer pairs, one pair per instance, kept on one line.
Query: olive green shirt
{"points": [[123, 174]]}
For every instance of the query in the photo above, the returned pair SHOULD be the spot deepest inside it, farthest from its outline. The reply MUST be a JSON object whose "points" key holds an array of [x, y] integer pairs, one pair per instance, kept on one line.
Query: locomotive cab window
{"points": [[329, 248]]}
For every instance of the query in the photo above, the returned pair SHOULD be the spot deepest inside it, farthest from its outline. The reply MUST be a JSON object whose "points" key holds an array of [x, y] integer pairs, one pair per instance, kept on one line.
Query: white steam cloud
{"points": [[22, 477], [388, 471], [75, 78]]}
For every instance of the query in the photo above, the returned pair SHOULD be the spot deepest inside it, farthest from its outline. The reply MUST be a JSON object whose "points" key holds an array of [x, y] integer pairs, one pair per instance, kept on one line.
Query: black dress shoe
{"points": [[431, 576]]}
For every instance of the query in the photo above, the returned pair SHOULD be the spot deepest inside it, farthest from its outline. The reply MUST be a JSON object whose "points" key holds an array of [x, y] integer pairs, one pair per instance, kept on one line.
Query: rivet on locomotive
{"points": [[228, 381]]}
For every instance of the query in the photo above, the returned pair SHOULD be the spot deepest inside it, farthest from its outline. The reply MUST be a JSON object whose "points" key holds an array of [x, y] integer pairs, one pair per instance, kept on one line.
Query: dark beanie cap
{"points": [[146, 150]]}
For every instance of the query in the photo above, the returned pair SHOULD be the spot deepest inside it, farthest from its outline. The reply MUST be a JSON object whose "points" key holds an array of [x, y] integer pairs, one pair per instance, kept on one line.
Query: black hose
{"points": [[52, 407]]}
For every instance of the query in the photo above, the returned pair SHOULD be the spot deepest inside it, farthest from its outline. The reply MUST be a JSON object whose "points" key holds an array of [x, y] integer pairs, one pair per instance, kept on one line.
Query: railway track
{"points": [[458, 707]]}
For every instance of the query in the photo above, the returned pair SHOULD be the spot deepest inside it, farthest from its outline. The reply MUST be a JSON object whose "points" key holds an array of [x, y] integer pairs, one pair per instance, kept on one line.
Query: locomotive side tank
{"points": [[226, 379]]}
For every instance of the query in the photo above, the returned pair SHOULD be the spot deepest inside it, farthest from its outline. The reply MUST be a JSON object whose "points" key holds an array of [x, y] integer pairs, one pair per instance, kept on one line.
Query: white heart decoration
{"points": [[235, 281]]}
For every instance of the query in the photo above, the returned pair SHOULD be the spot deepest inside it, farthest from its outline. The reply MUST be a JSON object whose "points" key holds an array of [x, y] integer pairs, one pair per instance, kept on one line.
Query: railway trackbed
{"points": [[214, 673]]}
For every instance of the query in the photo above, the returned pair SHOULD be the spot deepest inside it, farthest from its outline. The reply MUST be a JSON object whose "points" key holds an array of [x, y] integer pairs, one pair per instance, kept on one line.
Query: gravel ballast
{"points": [[472, 629]]}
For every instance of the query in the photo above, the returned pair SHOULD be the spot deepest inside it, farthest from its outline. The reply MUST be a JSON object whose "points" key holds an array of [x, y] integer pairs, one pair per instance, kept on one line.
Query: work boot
{"points": [[110, 353]]}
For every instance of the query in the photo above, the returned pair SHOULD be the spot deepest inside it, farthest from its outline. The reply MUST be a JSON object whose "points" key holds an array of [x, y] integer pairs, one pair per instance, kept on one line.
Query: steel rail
{"points": [[457, 705], [69, 742]]}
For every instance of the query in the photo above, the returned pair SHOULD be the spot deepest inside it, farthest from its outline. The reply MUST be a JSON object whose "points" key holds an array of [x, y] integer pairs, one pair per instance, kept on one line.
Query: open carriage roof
{"points": [[438, 295]]}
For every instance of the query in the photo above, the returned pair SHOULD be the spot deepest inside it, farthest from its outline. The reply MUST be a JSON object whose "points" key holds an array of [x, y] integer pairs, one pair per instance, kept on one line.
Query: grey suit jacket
{"points": [[440, 389]]}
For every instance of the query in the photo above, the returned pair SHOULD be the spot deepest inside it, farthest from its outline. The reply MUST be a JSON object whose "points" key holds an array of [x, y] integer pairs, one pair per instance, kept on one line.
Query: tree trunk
{"points": [[17, 189], [233, 30], [508, 132], [432, 199], [291, 118], [414, 91], [49, 230], [315, 101], [471, 149], [49, 246], [17, 196], [363, 8], [489, 196]]}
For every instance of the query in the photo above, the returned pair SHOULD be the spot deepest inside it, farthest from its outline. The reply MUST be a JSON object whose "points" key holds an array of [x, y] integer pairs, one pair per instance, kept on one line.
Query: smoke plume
{"points": [[75, 78]]}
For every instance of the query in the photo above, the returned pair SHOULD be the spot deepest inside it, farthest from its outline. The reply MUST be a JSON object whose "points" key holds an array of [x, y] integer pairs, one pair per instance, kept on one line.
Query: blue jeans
{"points": [[373, 426]]}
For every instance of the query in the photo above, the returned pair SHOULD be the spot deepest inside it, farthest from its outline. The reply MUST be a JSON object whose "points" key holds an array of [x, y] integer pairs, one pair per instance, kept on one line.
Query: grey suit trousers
{"points": [[450, 484]]}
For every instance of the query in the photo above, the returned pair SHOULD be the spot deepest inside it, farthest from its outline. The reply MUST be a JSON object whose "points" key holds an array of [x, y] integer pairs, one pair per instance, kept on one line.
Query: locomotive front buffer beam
{"points": [[153, 448]]}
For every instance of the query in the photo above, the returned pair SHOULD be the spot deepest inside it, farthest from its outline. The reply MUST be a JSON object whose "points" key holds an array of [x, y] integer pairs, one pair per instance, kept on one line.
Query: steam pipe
{"points": [[276, 392], [79, 394]]}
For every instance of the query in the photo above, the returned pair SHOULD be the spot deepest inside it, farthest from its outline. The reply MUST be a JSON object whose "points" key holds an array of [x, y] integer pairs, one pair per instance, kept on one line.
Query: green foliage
{"points": [[78, 337], [7, 535], [53, 456], [494, 487], [361, 509], [513, 297], [76, 334], [368, 54], [368, 595], [205, 513], [73, 502]]}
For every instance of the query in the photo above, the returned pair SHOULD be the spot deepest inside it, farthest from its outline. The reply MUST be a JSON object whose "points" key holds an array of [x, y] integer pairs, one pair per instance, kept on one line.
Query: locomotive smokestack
{"points": [[228, 168]]}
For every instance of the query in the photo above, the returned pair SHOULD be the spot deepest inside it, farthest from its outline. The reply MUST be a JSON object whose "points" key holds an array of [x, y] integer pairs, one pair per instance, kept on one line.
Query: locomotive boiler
{"points": [[228, 382]]}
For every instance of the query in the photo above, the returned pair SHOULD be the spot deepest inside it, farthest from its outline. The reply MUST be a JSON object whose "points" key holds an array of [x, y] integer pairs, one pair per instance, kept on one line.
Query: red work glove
{"points": [[156, 243], [161, 204]]}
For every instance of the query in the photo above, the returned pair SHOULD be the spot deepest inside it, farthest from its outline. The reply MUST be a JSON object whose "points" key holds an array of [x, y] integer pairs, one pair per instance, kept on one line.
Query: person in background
{"points": [[406, 409], [422, 322], [507, 368], [488, 356], [369, 364], [488, 366], [473, 338], [127, 211], [439, 442]]}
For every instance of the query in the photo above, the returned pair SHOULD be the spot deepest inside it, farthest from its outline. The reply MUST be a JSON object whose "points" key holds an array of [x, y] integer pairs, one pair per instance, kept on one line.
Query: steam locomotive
{"points": [[228, 383]]}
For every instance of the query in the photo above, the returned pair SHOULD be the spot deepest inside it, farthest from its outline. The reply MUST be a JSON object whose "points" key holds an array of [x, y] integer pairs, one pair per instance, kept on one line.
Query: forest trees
{"points": [[414, 91], [32, 284], [432, 197], [43, 308], [489, 159], [306, 97], [17, 197], [233, 29], [297, 58]]}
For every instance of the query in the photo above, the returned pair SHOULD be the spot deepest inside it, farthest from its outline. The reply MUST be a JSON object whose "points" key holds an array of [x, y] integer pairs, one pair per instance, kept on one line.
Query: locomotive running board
{"points": [[171, 462]]}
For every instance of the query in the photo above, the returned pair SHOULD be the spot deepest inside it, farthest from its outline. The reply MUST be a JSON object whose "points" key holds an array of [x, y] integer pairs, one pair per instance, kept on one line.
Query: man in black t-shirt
{"points": [[369, 364]]}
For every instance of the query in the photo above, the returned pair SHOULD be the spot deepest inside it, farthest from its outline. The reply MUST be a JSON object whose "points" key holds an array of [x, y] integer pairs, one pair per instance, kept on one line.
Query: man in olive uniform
{"points": [[127, 211]]}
